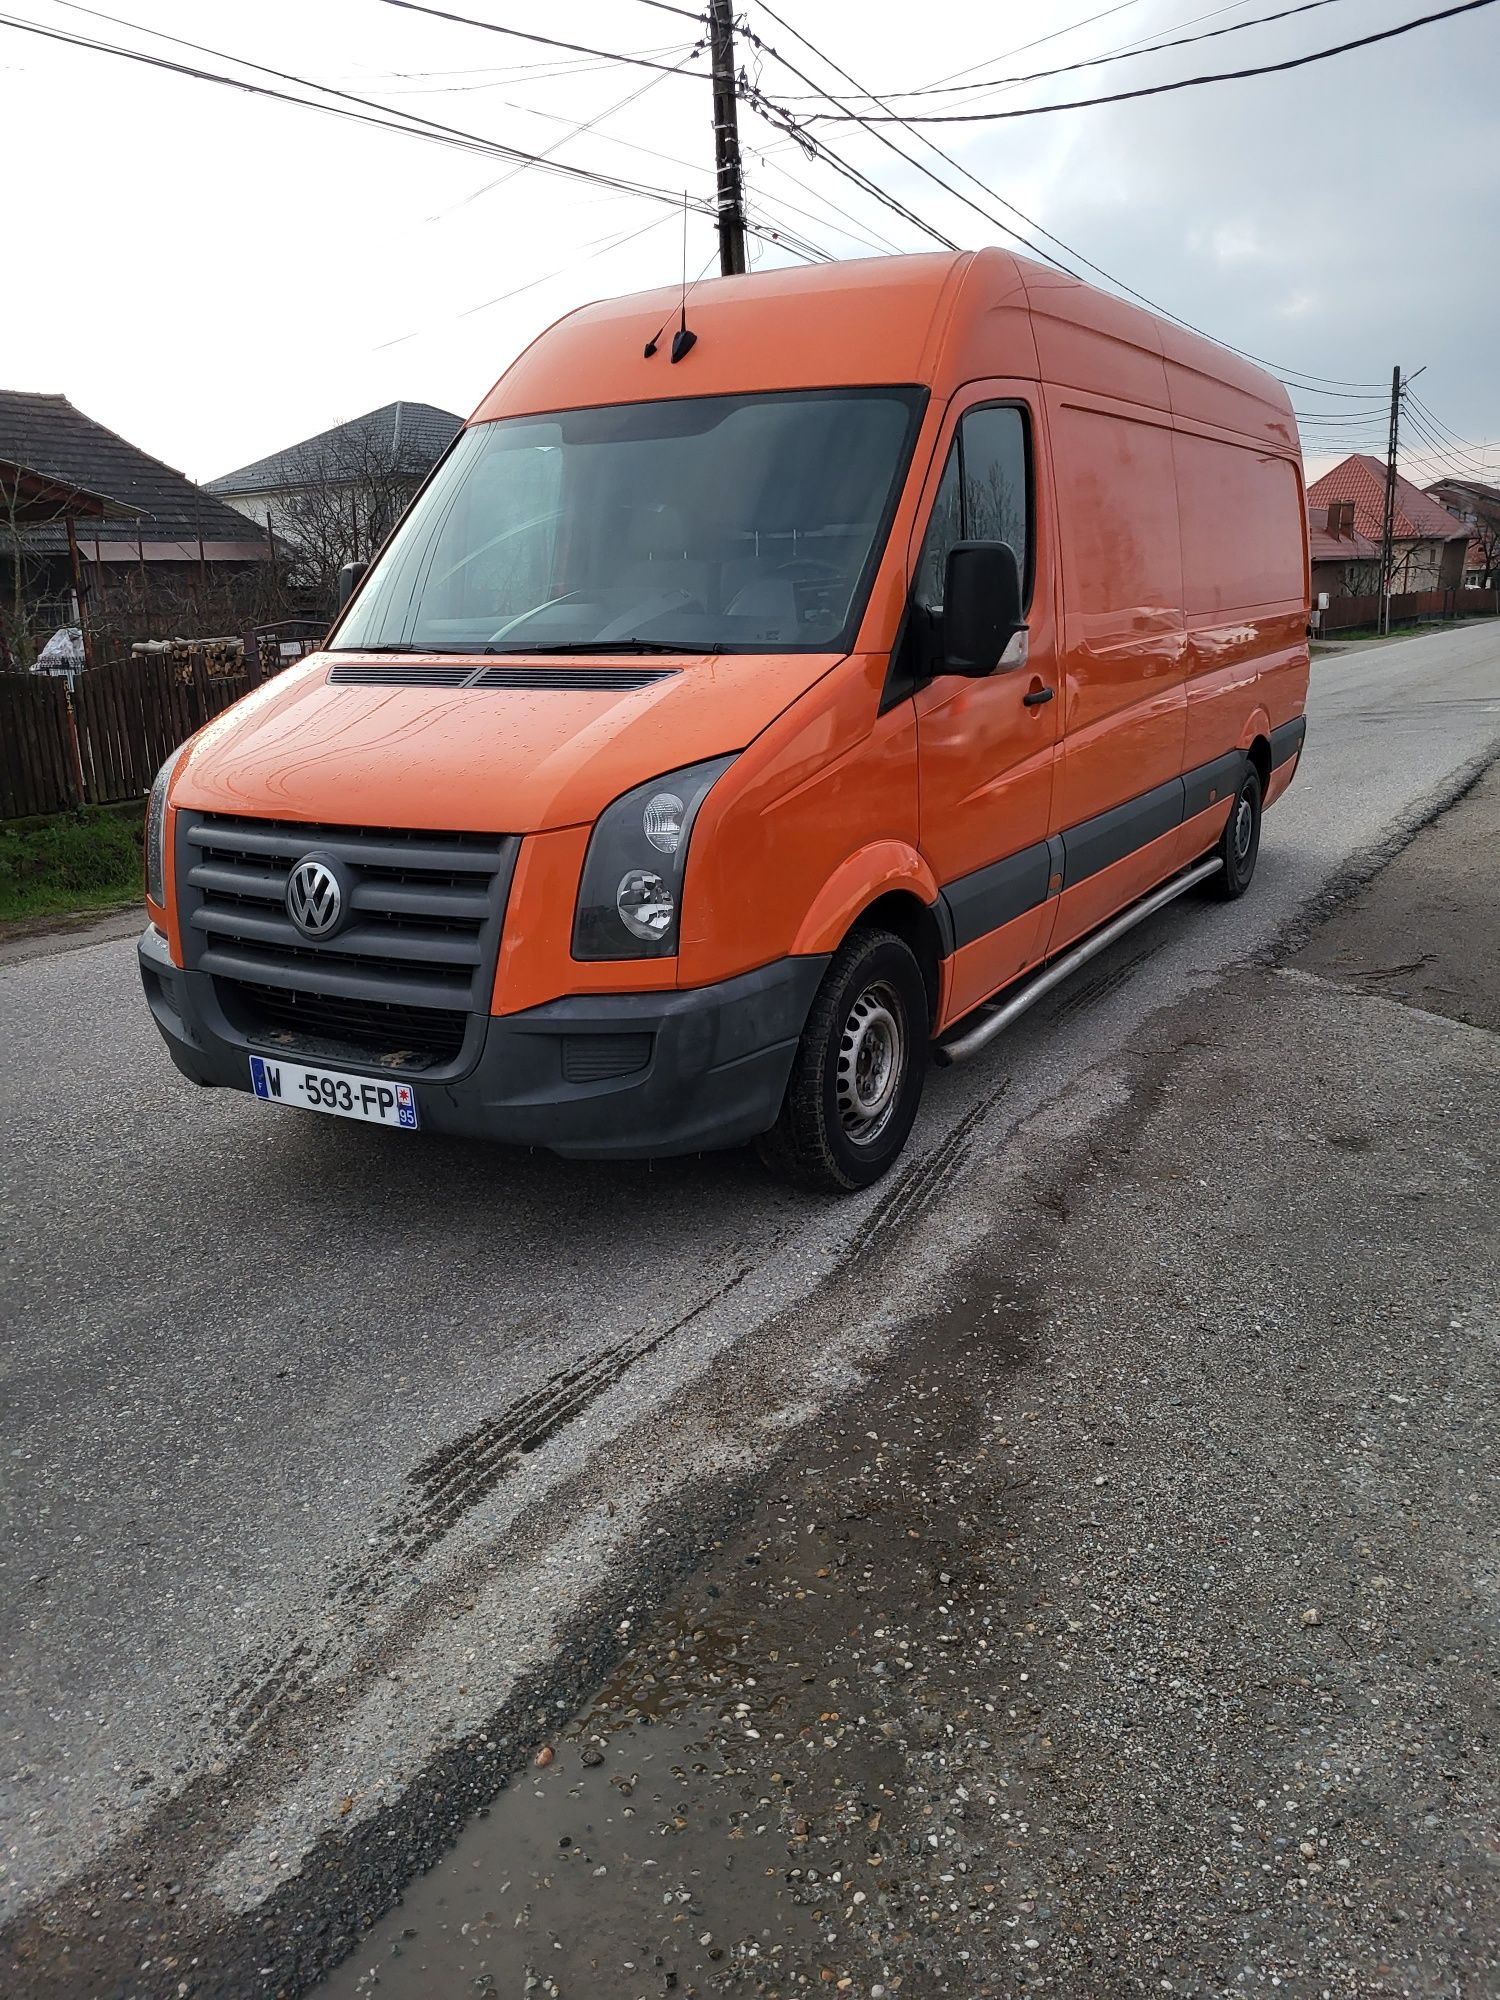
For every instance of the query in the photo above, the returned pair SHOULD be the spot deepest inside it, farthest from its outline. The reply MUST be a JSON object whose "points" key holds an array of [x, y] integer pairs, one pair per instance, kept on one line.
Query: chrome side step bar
{"points": [[996, 1016]]}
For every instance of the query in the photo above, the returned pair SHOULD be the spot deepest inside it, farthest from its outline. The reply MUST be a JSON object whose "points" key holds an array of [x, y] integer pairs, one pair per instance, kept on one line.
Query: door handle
{"points": [[1037, 696]]}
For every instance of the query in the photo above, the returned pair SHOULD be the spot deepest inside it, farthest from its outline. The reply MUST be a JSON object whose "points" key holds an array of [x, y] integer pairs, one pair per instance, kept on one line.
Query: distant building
{"points": [[1345, 563], [334, 498], [152, 549], [1477, 505], [1428, 544]]}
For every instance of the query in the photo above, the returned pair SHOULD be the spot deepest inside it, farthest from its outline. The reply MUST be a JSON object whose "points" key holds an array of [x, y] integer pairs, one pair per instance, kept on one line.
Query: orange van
{"points": [[766, 690]]}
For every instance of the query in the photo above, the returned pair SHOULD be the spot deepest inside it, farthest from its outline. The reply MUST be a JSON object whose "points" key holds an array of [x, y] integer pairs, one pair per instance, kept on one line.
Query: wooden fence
{"points": [[105, 741], [1347, 614], [39, 770]]}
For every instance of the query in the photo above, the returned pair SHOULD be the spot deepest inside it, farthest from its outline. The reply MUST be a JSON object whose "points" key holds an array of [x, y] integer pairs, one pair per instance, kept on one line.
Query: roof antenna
{"points": [[682, 340]]}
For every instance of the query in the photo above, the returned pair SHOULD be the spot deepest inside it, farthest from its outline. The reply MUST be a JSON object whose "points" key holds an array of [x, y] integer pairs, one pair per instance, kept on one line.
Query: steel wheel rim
{"points": [[1244, 827], [870, 1064]]}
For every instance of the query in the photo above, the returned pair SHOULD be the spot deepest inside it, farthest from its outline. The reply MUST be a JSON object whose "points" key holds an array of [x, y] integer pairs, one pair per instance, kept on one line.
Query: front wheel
{"points": [[1239, 844], [859, 1069]]}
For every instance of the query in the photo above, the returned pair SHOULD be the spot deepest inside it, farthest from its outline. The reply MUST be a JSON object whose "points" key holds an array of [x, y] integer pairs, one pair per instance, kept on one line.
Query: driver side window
{"points": [[984, 496]]}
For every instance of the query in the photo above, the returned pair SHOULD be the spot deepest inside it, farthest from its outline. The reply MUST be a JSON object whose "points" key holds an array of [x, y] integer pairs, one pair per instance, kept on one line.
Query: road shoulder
{"points": [[1133, 1629]]}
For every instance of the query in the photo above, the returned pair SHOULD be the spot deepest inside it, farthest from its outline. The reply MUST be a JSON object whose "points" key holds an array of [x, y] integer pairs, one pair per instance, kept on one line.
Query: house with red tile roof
{"points": [[1345, 563], [1428, 545]]}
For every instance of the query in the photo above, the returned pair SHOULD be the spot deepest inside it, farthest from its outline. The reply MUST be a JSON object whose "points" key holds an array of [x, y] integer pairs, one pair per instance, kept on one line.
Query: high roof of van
{"points": [[941, 319]]}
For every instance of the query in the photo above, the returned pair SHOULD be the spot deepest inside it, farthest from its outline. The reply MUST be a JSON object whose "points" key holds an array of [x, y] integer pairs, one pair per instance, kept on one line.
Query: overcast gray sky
{"points": [[216, 276]]}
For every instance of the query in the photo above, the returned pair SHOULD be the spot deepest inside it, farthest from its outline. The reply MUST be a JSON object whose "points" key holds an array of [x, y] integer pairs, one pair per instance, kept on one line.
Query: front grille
{"points": [[406, 972], [400, 1037]]}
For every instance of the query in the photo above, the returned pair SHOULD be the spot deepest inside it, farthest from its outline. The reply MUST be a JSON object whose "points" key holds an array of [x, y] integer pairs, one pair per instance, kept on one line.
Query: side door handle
{"points": [[1037, 696]]}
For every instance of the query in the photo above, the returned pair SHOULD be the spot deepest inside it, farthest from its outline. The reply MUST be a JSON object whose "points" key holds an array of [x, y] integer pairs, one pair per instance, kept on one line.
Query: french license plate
{"points": [[377, 1099]]}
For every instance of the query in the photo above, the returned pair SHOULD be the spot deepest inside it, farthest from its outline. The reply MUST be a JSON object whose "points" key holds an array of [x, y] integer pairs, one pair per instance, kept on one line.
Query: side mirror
{"points": [[350, 578], [981, 607]]}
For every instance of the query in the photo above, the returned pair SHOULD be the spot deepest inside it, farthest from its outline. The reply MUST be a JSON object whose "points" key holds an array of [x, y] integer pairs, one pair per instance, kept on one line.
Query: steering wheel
{"points": [[812, 567], [522, 618]]}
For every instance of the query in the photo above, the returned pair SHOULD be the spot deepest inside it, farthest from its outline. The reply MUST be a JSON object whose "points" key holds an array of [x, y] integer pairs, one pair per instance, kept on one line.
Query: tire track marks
{"points": [[443, 1488]]}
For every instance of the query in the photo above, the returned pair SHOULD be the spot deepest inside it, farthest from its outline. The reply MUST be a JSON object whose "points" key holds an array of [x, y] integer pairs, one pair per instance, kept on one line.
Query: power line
{"points": [[1351, 394], [666, 7], [1229, 7], [775, 230], [873, 241], [818, 148], [353, 109], [521, 34], [600, 247], [885, 141], [575, 130], [1425, 464], [1127, 54], [1461, 460], [497, 79], [1146, 90], [1352, 417], [282, 76], [1078, 255], [1435, 419], [1055, 35], [760, 102]]}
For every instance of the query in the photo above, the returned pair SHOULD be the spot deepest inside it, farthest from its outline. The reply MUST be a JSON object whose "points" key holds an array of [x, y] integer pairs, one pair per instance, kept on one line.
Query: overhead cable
{"points": [[1144, 90]]}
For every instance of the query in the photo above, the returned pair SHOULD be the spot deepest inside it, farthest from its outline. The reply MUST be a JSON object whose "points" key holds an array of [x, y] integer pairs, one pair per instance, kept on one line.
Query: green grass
{"points": [[71, 861]]}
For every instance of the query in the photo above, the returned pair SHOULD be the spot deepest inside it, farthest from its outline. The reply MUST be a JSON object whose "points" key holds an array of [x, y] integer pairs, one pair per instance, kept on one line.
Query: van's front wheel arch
{"points": [[860, 1066]]}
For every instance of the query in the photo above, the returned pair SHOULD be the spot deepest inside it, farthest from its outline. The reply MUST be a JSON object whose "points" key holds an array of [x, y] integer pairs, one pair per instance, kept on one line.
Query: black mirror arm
{"points": [[351, 575]]}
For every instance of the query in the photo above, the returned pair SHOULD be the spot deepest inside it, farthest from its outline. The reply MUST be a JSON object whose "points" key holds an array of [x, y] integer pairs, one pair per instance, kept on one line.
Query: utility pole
{"points": [[1388, 526], [727, 140]]}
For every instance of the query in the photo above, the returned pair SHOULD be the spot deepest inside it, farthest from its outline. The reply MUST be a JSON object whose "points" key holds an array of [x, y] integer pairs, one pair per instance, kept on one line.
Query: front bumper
{"points": [[715, 1061]]}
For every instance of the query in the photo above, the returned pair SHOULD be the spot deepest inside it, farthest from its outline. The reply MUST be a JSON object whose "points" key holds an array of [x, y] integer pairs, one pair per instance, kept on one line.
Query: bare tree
{"points": [[1482, 519], [24, 575], [343, 499]]}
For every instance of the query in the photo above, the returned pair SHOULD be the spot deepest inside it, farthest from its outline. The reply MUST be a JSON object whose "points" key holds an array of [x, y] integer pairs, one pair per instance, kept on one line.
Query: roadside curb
{"points": [[22, 938], [1348, 880]]}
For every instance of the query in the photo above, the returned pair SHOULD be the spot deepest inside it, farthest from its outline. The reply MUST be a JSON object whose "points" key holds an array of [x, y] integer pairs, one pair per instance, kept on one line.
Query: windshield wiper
{"points": [[606, 646], [388, 646]]}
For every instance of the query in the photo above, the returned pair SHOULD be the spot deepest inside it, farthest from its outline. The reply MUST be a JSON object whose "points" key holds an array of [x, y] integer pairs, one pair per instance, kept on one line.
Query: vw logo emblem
{"points": [[314, 897]]}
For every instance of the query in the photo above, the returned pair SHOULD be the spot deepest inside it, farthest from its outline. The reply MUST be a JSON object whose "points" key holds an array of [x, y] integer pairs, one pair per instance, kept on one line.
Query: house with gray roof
{"points": [[149, 547], [158, 516], [334, 498]]}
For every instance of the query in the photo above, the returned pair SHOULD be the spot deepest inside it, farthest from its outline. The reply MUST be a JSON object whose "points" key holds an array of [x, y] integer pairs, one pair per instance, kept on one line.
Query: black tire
{"points": [[859, 1069], [1239, 844]]}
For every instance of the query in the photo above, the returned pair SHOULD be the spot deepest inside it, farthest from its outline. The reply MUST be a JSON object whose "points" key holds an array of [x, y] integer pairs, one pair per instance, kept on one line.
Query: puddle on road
{"points": [[754, 1802], [644, 1874]]}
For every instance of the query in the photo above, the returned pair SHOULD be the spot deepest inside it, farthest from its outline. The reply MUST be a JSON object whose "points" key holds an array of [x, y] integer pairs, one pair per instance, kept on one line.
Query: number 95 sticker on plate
{"points": [[376, 1099]]}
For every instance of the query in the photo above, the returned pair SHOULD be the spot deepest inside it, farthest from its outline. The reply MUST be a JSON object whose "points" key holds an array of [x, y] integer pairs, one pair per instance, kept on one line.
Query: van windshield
{"points": [[717, 523]]}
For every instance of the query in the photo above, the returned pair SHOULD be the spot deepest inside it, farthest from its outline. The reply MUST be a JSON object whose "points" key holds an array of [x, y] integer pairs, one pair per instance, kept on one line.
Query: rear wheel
{"points": [[1239, 844], [859, 1069]]}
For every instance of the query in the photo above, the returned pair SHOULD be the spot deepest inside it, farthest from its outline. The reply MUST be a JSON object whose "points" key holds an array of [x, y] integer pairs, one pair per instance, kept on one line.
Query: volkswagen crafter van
{"points": [[733, 717]]}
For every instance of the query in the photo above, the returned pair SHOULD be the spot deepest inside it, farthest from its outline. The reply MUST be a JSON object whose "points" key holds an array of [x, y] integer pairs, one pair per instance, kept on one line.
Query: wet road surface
{"points": [[336, 1462], [1134, 1631]]}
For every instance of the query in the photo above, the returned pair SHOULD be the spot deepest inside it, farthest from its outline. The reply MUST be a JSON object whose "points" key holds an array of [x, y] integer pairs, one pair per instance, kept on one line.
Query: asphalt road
{"points": [[1134, 1629], [338, 1462]]}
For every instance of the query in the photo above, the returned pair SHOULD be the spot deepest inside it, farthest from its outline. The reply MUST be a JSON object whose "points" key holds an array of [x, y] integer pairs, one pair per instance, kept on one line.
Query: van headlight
{"points": [[630, 897], [156, 832]]}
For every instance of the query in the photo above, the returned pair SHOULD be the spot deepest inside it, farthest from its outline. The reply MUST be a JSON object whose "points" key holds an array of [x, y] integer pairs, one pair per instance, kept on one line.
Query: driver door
{"points": [[987, 747]]}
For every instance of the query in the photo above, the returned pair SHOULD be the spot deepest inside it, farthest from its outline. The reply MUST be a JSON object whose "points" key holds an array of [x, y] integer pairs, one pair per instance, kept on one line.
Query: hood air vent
{"points": [[557, 680]]}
